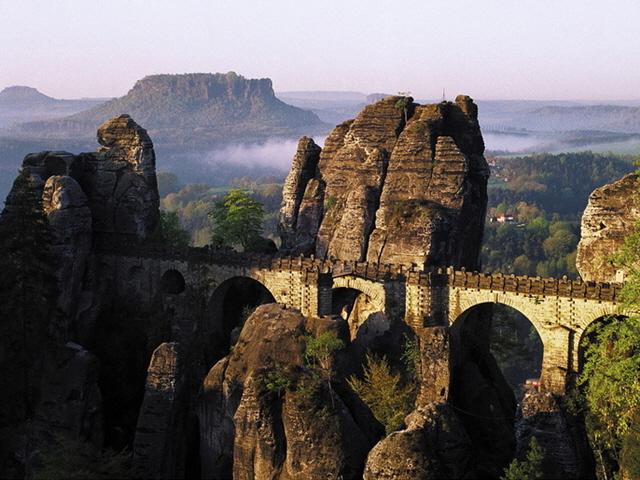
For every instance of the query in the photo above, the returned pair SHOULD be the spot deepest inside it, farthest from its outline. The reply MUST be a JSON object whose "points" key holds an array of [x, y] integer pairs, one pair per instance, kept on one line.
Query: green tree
{"points": [[171, 231], [382, 390], [319, 354], [237, 220], [529, 468], [27, 296]]}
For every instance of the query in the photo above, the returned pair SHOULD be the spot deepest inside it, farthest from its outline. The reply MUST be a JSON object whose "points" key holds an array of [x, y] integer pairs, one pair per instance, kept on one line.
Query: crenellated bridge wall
{"points": [[559, 309]]}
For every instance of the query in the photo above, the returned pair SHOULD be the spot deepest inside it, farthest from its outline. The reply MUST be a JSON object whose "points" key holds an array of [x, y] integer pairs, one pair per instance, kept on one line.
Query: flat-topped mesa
{"points": [[611, 214], [401, 183]]}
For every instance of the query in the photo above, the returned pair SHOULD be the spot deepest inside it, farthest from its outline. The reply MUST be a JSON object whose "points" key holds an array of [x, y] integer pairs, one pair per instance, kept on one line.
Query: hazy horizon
{"points": [[542, 50]]}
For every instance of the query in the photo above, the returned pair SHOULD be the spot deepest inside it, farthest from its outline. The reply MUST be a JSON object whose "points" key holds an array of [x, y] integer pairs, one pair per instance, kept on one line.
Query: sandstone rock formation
{"points": [[394, 185], [119, 180], [158, 446], [69, 215], [434, 445], [113, 192], [300, 432], [611, 214], [558, 433]]}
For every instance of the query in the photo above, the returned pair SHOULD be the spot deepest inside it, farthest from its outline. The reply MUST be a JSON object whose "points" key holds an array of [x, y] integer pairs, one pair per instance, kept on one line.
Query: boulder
{"points": [[611, 214], [434, 446]]}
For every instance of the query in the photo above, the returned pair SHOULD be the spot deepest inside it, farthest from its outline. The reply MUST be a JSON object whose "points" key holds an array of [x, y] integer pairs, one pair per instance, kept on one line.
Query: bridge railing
{"points": [[562, 287], [124, 245]]}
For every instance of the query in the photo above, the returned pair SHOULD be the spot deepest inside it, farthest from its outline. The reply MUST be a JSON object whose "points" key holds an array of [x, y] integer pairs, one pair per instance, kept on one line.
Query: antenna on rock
{"points": [[443, 98]]}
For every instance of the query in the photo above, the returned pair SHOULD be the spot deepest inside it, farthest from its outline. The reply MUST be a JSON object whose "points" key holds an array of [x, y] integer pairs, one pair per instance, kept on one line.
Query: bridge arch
{"points": [[361, 303], [514, 340], [172, 282], [229, 305]]}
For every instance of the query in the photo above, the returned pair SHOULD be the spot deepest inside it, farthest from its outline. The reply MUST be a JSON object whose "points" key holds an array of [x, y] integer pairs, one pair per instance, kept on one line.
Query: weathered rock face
{"points": [[567, 452], [482, 397], [119, 180], [301, 432], [158, 450], [303, 169], [395, 185], [610, 216], [434, 445], [67, 209]]}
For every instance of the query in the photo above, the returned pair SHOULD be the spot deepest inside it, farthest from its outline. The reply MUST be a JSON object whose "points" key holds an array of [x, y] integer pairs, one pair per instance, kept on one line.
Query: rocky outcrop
{"points": [[560, 435], [69, 215], [434, 445], [119, 180], [401, 183], [301, 431], [158, 450], [611, 214], [303, 169]]}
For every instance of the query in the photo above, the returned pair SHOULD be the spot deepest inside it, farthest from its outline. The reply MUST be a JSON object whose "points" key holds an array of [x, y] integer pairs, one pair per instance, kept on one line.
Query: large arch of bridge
{"points": [[521, 358], [465, 300], [592, 314], [228, 307]]}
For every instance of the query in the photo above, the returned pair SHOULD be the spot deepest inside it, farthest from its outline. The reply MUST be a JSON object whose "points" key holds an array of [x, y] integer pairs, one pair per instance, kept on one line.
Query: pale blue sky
{"points": [[561, 49]]}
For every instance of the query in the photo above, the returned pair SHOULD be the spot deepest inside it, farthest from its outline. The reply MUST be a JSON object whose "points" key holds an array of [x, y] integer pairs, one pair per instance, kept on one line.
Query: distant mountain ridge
{"points": [[21, 96], [20, 103], [194, 110]]}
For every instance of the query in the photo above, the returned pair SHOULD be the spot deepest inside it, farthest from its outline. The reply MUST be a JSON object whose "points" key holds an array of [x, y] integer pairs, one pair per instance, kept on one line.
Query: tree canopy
{"points": [[237, 220]]}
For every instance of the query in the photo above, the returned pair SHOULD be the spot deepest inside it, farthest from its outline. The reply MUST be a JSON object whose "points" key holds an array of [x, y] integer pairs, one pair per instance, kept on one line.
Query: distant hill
{"points": [[25, 104], [195, 110], [24, 97], [613, 118]]}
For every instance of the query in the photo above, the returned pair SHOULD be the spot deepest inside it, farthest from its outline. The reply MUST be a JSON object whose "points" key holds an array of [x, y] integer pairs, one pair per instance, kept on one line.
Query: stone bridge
{"points": [[559, 309]]}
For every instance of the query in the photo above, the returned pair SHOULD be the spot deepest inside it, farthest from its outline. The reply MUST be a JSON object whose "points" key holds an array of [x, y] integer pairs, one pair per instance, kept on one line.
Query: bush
{"points": [[529, 468], [383, 392], [275, 380]]}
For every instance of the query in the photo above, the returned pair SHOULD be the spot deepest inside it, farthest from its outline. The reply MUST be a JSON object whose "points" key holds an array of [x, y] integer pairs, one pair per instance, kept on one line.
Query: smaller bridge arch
{"points": [[373, 290], [362, 303], [172, 282]]}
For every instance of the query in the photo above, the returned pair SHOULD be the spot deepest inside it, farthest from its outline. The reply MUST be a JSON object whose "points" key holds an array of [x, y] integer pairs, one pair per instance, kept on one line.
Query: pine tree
{"points": [[27, 293]]}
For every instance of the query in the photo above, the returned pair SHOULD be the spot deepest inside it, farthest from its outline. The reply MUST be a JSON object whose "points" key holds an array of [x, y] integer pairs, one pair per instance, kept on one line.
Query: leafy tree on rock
{"points": [[237, 220], [384, 393], [319, 354]]}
